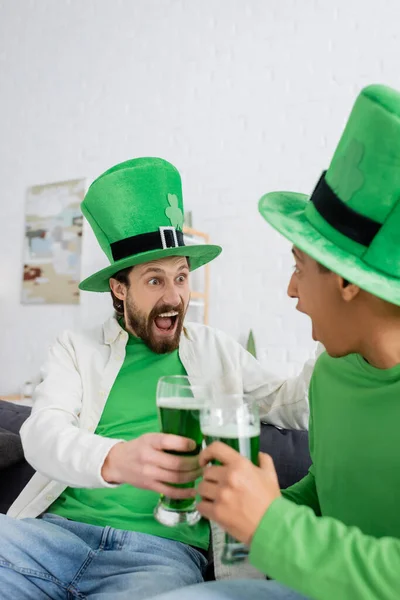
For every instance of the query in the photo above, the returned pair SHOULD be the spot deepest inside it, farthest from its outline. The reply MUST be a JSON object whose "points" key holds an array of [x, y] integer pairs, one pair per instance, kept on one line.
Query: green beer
{"points": [[181, 416], [245, 439]]}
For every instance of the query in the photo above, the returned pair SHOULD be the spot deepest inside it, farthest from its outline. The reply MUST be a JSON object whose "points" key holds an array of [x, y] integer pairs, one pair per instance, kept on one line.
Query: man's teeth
{"points": [[172, 313]]}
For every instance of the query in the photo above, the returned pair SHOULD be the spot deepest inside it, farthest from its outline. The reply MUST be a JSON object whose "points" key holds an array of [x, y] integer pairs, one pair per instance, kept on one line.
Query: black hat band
{"points": [[340, 216], [165, 237]]}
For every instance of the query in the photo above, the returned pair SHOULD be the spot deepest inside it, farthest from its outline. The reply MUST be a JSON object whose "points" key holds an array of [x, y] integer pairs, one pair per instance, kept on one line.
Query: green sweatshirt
{"points": [[335, 535]]}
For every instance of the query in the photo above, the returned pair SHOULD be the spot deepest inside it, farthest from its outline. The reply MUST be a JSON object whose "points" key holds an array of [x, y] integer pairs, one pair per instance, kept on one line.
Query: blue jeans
{"points": [[241, 589], [54, 558]]}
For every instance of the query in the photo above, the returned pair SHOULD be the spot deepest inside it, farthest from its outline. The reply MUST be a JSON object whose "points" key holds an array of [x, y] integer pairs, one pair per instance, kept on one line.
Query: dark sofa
{"points": [[289, 449], [14, 470]]}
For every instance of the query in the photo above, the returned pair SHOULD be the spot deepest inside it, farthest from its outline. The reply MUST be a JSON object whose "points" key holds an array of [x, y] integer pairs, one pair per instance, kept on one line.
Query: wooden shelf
{"points": [[196, 233], [17, 399], [12, 397], [197, 295]]}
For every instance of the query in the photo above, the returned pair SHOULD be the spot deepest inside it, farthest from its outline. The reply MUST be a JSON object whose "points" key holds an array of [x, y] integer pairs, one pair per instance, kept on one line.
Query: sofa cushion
{"points": [[289, 450], [14, 470], [10, 448], [13, 415], [12, 482]]}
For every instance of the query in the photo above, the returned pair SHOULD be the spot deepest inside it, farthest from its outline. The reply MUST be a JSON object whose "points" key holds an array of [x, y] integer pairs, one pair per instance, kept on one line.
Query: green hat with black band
{"points": [[136, 212], [351, 222]]}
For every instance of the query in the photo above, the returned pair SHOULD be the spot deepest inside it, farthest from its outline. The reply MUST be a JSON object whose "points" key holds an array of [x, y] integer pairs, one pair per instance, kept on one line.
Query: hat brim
{"points": [[285, 212], [199, 255]]}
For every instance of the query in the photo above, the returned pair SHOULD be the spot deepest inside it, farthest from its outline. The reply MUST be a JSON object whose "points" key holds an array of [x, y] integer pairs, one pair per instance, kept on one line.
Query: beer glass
{"points": [[179, 400], [233, 420]]}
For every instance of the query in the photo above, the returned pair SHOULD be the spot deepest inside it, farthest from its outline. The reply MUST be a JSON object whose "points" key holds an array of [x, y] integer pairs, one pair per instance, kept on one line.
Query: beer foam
{"points": [[231, 431], [180, 403]]}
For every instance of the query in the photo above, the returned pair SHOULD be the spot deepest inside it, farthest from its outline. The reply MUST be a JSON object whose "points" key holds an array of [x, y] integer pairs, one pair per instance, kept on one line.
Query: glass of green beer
{"points": [[179, 400], [234, 420]]}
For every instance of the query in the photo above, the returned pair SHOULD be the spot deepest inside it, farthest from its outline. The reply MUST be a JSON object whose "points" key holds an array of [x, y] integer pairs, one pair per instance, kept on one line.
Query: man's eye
{"points": [[181, 278], [296, 269], [154, 281]]}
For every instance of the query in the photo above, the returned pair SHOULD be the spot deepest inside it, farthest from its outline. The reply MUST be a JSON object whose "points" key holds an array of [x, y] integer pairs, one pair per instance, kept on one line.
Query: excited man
{"points": [[94, 436]]}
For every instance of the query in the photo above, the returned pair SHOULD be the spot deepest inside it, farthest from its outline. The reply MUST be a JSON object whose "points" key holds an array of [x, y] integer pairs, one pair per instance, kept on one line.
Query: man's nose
{"points": [[171, 295]]}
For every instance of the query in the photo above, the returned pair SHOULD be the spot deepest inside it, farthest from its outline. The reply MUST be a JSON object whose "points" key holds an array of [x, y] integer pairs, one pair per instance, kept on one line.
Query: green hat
{"points": [[351, 222], [136, 212]]}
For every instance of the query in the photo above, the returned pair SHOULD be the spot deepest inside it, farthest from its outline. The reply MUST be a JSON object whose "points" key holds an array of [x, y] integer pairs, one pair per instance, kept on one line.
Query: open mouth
{"points": [[166, 322]]}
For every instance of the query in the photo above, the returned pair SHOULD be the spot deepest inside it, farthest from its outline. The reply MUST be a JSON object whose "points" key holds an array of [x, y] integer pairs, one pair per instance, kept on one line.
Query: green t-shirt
{"points": [[354, 438], [130, 411], [354, 478]]}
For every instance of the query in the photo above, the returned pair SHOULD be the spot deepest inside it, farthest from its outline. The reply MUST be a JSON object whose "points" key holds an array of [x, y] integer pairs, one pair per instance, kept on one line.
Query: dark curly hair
{"points": [[123, 277]]}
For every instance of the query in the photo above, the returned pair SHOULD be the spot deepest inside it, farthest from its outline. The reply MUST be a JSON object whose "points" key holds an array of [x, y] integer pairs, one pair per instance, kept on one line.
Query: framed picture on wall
{"points": [[53, 243]]}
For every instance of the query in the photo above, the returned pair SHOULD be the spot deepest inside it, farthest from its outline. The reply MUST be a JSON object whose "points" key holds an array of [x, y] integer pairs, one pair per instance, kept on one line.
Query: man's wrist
{"points": [[109, 471]]}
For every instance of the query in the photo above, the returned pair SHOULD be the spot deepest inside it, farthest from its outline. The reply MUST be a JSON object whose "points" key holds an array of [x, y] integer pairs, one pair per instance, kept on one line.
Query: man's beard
{"points": [[143, 325]]}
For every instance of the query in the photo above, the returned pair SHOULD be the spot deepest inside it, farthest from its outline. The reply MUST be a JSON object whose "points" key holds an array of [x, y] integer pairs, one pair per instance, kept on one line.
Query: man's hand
{"points": [[236, 494], [144, 463]]}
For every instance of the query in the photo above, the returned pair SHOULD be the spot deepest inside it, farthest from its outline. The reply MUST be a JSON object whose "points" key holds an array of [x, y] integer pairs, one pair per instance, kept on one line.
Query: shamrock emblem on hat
{"points": [[348, 176], [173, 212]]}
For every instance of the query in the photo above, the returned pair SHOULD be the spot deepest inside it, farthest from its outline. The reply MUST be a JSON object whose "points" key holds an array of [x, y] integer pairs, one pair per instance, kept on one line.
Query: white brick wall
{"points": [[243, 96]]}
